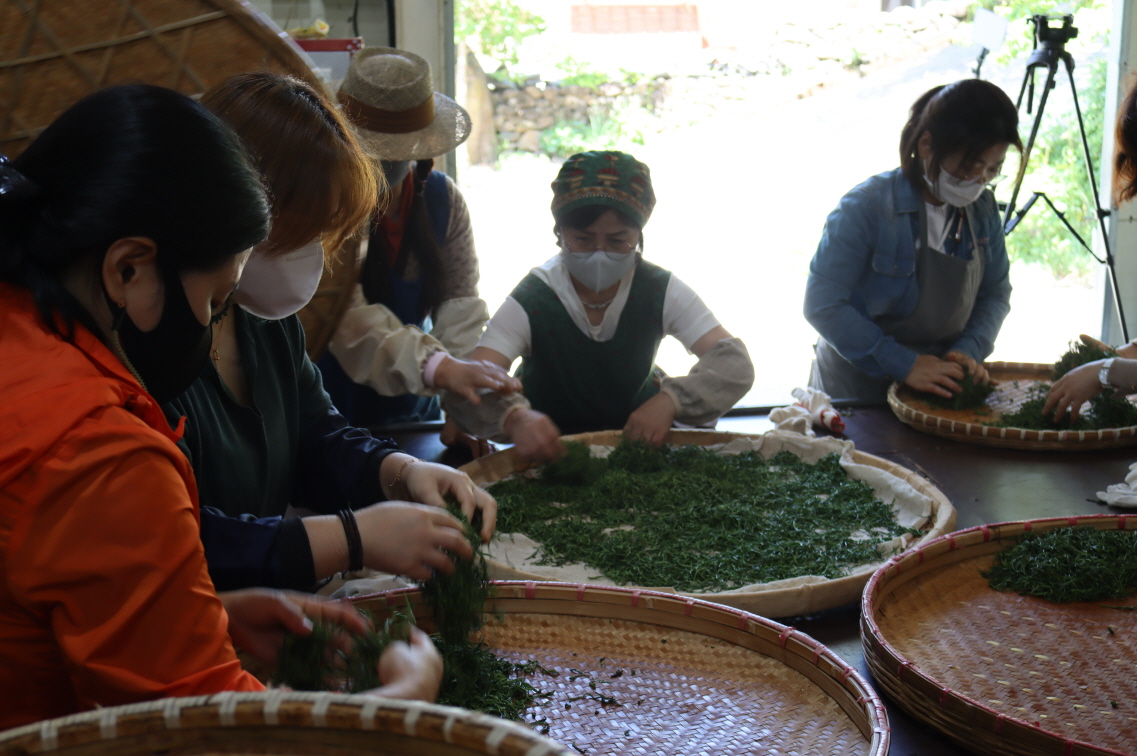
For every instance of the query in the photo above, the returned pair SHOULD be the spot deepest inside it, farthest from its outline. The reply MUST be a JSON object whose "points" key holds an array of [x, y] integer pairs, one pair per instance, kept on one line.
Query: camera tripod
{"points": [[1050, 50]]}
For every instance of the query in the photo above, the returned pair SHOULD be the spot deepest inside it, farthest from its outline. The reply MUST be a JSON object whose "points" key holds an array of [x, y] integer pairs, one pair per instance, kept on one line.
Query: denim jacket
{"points": [[865, 270]]}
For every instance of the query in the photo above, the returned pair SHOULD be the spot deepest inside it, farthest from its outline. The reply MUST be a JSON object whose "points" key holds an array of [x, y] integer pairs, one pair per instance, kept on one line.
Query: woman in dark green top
{"points": [[260, 430]]}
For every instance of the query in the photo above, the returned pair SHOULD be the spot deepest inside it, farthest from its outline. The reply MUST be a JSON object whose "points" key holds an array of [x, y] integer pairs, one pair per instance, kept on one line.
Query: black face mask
{"points": [[169, 358]]}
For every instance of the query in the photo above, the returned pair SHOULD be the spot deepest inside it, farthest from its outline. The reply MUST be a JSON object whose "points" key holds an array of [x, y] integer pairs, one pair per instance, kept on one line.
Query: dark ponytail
{"points": [[1125, 162], [133, 160], [967, 117]]}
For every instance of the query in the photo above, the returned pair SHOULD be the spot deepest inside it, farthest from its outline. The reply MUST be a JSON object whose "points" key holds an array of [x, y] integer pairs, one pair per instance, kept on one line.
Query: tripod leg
{"points": [[1051, 71], [1109, 261]]}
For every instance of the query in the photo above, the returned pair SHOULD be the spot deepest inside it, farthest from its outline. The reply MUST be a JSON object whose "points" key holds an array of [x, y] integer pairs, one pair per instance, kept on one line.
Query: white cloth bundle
{"points": [[813, 408], [1122, 494]]}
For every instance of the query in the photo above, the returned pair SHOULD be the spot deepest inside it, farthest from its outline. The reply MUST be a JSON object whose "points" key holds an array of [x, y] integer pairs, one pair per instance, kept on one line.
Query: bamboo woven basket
{"points": [[774, 602], [688, 676], [1016, 379], [279, 723], [54, 52], [998, 672]]}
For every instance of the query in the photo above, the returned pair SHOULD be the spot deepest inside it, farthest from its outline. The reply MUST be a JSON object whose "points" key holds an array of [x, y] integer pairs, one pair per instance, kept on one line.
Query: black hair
{"points": [[967, 117], [133, 160], [583, 216]]}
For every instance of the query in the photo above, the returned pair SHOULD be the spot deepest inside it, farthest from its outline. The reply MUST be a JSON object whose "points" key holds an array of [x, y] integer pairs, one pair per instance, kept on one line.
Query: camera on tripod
{"points": [[1048, 36]]}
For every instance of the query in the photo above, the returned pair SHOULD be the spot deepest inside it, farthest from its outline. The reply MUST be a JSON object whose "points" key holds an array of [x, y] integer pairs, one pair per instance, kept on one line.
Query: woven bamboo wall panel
{"points": [[54, 52]]}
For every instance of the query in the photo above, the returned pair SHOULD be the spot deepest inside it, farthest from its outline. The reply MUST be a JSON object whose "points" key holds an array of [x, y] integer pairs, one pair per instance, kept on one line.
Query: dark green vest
{"points": [[586, 385]]}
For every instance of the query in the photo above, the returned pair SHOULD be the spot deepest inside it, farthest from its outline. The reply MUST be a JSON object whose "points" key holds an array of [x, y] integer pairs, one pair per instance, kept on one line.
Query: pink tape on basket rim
{"points": [[1028, 526], [999, 720], [636, 598], [784, 636], [944, 693], [1069, 749], [986, 533], [580, 591], [688, 607], [1072, 521], [530, 590], [1121, 520]]}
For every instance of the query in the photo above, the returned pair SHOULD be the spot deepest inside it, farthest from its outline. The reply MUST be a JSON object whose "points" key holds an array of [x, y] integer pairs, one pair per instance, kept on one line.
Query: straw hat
{"points": [[388, 96]]}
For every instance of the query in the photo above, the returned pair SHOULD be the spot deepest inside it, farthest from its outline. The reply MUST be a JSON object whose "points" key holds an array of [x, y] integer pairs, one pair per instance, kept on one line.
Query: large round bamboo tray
{"points": [[688, 676], [279, 723], [1015, 379], [998, 672], [769, 602], [54, 52]]}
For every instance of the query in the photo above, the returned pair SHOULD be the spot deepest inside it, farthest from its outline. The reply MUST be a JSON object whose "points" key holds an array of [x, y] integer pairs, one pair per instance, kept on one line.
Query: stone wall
{"points": [[793, 61]]}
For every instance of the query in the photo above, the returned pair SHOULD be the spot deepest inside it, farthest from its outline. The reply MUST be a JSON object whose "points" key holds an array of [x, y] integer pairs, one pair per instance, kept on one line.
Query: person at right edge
{"points": [[910, 280], [1114, 374]]}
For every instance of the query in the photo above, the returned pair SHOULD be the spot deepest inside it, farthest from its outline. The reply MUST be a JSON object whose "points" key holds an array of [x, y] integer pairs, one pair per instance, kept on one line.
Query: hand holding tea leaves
{"points": [[935, 376], [651, 422], [975, 369], [535, 437], [259, 618], [430, 483], [408, 539], [1072, 390]]}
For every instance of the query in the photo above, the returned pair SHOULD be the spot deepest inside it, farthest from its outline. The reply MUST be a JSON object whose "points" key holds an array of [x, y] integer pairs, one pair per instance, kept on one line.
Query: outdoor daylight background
{"points": [[754, 123]]}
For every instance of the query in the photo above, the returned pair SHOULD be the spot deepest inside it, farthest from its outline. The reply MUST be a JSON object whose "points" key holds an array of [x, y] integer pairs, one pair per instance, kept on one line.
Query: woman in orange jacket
{"points": [[123, 231]]}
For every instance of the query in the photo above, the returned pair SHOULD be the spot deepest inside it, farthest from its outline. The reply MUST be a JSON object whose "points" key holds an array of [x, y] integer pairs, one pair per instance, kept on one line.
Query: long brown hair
{"points": [[320, 181], [1125, 162], [967, 117]]}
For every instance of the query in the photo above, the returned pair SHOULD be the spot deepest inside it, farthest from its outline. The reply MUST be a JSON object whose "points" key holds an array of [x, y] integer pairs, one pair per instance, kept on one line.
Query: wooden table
{"points": [[986, 485]]}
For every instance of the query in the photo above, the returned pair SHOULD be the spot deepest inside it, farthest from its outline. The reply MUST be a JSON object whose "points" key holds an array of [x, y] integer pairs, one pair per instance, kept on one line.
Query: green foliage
{"points": [[972, 396], [473, 677], [458, 600], [578, 74], [1057, 167], [495, 28], [619, 129], [1068, 564], [700, 521]]}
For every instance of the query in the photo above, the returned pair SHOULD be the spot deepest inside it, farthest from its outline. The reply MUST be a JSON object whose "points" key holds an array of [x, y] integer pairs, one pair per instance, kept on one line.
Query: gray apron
{"points": [[948, 287]]}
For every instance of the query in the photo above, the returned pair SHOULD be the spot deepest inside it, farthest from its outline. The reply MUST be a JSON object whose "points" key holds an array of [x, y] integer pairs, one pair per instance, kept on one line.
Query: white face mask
{"points": [[598, 270], [276, 287], [956, 192]]}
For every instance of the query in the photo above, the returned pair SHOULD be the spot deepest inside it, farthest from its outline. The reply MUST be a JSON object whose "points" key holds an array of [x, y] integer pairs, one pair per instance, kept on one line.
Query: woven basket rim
{"points": [[303, 710], [956, 541], [942, 519], [661, 604], [967, 431]]}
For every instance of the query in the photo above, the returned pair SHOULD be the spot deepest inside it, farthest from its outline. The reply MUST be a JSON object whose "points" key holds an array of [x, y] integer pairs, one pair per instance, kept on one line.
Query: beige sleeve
{"points": [[459, 259], [376, 349], [718, 380], [458, 324], [485, 419]]}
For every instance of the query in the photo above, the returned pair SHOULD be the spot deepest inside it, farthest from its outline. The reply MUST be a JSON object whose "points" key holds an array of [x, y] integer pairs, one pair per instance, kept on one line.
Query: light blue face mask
{"points": [[598, 270]]}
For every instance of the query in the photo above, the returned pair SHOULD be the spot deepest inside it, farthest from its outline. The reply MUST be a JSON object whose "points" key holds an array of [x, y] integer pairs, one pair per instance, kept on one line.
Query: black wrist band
{"points": [[354, 542]]}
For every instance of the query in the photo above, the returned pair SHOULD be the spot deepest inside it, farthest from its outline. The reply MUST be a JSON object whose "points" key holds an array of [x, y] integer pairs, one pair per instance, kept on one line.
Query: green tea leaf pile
{"points": [[971, 396], [1105, 411], [473, 676], [1068, 564], [697, 520]]}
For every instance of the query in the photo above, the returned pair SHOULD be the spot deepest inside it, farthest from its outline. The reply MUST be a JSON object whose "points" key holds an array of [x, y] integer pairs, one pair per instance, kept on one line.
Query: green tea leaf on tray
{"points": [[1077, 355], [972, 395], [697, 520], [577, 468], [1068, 564]]}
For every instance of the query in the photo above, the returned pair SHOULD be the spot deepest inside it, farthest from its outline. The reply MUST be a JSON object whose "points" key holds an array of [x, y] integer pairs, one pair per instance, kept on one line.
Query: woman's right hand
{"points": [[407, 539], [410, 670], [935, 376], [468, 378], [534, 435]]}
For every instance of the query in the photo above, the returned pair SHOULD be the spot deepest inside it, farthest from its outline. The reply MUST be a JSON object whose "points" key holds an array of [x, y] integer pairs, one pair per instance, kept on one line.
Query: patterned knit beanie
{"points": [[614, 179]]}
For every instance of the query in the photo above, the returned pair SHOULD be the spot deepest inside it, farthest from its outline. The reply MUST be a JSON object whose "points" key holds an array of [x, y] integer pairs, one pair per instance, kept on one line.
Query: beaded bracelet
{"points": [[354, 541]]}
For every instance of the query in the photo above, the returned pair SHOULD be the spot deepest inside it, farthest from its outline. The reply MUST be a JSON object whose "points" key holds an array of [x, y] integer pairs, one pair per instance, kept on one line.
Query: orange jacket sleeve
{"points": [[111, 558]]}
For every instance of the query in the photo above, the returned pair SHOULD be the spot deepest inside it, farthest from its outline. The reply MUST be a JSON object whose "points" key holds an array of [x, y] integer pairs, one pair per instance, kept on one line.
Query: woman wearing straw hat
{"points": [[384, 362], [587, 325]]}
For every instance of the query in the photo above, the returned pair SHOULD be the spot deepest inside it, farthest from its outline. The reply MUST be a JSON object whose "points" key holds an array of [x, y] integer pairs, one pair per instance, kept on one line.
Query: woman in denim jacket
{"points": [[910, 280]]}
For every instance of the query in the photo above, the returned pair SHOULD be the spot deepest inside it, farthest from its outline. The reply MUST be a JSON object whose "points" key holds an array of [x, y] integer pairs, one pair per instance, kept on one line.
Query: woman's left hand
{"points": [[1073, 390], [978, 372], [429, 483], [651, 422], [259, 617]]}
